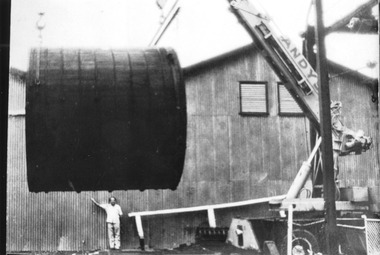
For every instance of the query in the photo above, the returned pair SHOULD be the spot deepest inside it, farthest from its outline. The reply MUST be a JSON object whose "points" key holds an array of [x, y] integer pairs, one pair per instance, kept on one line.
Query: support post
{"points": [[140, 231], [211, 218], [366, 231], [290, 230], [325, 120]]}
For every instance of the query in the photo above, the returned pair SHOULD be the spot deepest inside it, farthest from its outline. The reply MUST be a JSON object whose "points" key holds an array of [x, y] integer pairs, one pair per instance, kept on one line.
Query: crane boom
{"points": [[287, 61]]}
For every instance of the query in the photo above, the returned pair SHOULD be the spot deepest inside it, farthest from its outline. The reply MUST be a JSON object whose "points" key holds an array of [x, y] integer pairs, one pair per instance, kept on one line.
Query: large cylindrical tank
{"points": [[105, 120]]}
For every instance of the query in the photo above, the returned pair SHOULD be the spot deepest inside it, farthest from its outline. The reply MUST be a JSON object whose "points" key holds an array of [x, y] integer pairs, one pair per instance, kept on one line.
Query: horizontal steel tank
{"points": [[105, 120]]}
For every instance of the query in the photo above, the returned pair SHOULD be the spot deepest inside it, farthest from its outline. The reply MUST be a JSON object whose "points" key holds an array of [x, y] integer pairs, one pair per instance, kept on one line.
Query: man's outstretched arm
{"points": [[94, 201]]}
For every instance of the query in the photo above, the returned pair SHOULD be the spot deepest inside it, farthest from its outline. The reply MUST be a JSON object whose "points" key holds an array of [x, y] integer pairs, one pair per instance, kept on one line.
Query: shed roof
{"points": [[215, 31], [336, 69]]}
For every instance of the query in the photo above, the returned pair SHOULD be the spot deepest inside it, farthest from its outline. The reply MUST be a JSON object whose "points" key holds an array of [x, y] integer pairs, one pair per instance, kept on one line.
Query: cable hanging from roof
{"points": [[40, 25]]}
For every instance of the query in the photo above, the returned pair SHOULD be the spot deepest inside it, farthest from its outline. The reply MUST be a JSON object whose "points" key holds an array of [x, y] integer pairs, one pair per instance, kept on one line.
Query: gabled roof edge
{"points": [[223, 57], [333, 66]]}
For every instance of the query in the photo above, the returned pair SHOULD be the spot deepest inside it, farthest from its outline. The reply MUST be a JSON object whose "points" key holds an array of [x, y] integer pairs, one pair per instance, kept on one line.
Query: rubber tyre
{"points": [[302, 238]]}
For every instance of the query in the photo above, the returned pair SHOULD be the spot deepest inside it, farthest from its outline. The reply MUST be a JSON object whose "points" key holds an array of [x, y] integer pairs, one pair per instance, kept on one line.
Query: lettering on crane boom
{"points": [[293, 59], [288, 53], [302, 65]]}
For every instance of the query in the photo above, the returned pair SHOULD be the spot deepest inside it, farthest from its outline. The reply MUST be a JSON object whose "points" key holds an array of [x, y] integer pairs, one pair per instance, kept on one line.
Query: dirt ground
{"points": [[212, 247], [200, 248]]}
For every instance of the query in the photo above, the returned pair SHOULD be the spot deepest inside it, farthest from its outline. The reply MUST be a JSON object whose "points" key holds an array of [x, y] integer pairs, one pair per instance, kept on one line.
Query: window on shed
{"points": [[253, 98], [287, 105]]}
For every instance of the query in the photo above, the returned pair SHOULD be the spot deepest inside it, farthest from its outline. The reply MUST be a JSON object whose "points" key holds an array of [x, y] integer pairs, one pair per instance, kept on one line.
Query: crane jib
{"points": [[300, 61], [304, 73]]}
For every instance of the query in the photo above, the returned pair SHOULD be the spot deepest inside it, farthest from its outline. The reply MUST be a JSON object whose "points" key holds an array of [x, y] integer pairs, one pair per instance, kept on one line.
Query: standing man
{"points": [[114, 212]]}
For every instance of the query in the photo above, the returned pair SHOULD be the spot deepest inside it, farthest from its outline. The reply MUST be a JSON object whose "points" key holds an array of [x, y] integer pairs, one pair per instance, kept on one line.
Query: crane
{"points": [[298, 76]]}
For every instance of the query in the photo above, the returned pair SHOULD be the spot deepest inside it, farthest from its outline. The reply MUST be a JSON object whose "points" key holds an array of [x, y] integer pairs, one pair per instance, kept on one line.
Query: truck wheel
{"points": [[303, 243]]}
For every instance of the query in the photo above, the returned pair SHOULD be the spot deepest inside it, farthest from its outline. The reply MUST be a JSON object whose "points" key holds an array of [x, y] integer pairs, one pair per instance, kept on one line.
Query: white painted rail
{"points": [[209, 208]]}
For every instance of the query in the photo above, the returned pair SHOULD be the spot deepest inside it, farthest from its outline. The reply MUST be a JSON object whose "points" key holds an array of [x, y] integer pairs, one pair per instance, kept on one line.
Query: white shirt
{"points": [[113, 212]]}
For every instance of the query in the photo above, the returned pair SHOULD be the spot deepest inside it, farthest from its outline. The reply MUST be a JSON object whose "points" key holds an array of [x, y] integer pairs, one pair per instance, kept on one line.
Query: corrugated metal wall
{"points": [[359, 112], [44, 221], [229, 158]]}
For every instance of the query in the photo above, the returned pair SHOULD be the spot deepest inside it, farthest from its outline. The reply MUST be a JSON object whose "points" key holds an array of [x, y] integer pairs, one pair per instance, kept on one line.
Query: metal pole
{"points": [[366, 232], [290, 230], [325, 120], [40, 26]]}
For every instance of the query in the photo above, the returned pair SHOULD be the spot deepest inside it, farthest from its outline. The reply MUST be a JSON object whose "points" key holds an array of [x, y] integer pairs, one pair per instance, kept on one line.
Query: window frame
{"points": [[266, 113], [287, 114]]}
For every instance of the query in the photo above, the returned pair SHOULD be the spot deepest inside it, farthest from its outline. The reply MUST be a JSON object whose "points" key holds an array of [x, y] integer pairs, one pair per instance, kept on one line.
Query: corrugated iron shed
{"points": [[229, 158]]}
